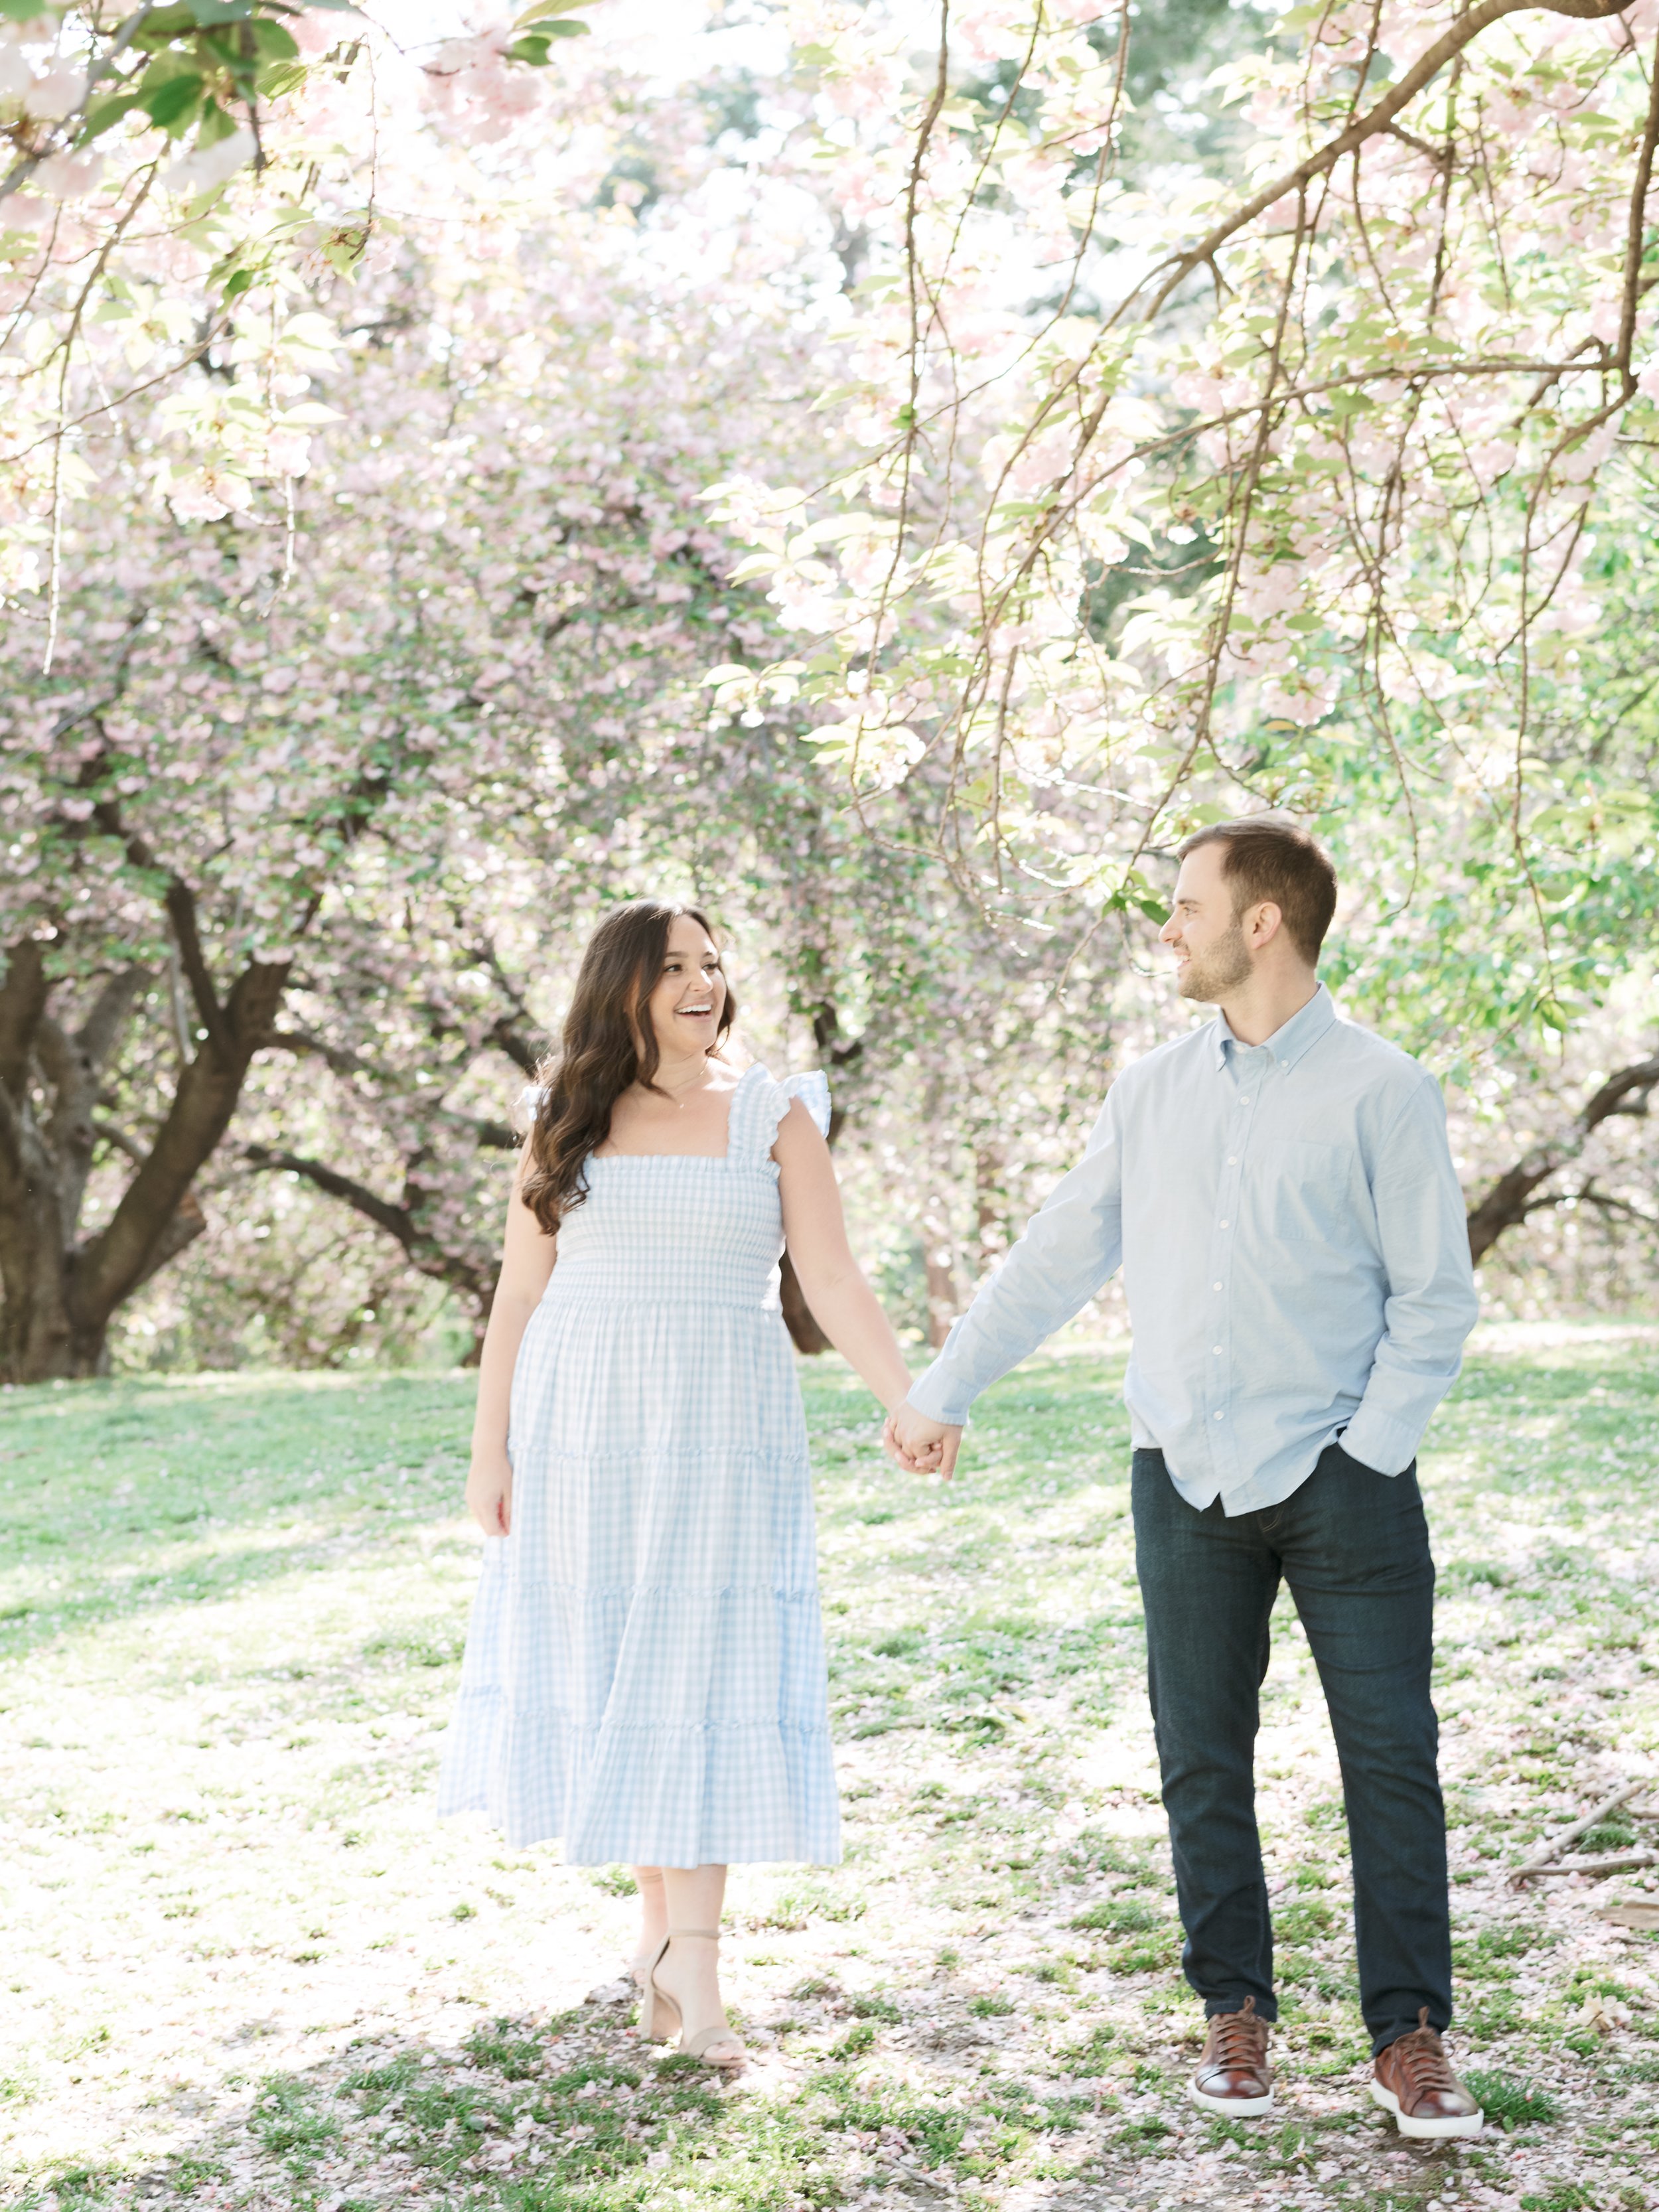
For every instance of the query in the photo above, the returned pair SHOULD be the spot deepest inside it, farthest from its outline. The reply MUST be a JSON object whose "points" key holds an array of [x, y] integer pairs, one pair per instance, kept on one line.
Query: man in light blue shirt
{"points": [[1278, 1190]]}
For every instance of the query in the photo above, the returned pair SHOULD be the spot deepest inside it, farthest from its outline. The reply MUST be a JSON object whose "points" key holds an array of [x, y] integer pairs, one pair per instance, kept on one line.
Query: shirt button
{"points": [[1216, 1286], [1244, 1101], [1216, 1348], [1226, 1224], [1233, 1161], [1221, 1417]]}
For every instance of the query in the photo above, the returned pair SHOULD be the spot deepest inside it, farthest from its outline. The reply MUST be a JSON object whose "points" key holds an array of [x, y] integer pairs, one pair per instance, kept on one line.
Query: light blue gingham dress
{"points": [[644, 1671]]}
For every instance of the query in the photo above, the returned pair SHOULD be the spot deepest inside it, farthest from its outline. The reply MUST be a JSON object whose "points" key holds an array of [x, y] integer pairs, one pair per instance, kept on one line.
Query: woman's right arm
{"points": [[527, 1259]]}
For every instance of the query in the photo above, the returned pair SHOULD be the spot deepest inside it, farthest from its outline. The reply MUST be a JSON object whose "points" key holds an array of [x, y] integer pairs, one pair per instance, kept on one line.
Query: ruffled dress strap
{"points": [[761, 1103]]}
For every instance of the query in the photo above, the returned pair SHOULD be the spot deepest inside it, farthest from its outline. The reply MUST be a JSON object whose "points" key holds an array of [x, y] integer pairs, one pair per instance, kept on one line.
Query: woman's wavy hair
{"points": [[608, 1044]]}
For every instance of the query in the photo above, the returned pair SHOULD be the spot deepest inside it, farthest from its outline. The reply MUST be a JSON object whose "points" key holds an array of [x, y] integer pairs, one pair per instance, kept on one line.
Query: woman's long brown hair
{"points": [[608, 1044]]}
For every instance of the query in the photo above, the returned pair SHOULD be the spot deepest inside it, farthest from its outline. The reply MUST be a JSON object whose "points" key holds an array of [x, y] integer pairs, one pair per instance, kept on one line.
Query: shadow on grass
{"points": [[118, 1497], [569, 2114]]}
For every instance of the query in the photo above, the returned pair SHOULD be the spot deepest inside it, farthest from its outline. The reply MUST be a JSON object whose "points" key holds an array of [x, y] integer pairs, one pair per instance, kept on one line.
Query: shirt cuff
{"points": [[1379, 1441], [939, 1398]]}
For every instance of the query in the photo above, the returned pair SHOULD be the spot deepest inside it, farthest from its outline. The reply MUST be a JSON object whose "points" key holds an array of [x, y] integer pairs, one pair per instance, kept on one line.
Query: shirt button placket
{"points": [[1231, 1176]]}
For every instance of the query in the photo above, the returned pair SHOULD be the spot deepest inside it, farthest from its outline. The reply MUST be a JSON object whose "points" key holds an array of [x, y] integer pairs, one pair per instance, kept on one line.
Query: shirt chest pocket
{"points": [[1306, 1191]]}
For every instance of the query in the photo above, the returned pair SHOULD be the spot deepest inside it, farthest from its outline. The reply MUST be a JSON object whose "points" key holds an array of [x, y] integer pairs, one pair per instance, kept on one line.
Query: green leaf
{"points": [[209, 12], [278, 78], [170, 105], [105, 114], [238, 281], [543, 11], [274, 43], [535, 47], [216, 125], [167, 24]]}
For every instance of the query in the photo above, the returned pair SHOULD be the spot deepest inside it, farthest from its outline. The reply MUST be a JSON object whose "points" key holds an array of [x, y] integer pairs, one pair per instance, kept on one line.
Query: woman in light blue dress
{"points": [[644, 1673]]}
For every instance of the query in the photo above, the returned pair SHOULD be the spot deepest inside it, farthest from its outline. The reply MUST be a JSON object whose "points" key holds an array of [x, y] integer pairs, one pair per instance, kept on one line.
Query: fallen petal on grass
{"points": [[248, 1973]]}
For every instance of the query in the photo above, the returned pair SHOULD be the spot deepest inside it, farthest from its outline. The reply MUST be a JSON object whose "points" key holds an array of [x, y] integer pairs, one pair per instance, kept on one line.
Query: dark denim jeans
{"points": [[1354, 1548]]}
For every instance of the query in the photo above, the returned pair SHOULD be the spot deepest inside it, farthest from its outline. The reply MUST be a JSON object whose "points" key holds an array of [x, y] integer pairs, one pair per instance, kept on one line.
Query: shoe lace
{"points": [[1239, 2040], [1423, 2058]]}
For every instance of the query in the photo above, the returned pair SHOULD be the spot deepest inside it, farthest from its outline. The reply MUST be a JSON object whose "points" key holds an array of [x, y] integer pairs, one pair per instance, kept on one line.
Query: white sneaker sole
{"points": [[1467, 2123], [1236, 2108]]}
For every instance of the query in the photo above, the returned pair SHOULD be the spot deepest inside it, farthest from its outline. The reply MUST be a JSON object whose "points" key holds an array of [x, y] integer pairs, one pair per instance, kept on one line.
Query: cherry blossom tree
{"points": [[178, 182], [1305, 483], [306, 768]]}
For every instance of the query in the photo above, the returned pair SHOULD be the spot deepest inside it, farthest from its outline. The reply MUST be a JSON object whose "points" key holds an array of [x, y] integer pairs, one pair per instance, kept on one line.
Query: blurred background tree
{"points": [[366, 654]]}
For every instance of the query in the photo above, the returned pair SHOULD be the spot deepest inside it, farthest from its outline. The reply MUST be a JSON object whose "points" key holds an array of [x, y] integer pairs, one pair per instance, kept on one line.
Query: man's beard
{"points": [[1210, 975]]}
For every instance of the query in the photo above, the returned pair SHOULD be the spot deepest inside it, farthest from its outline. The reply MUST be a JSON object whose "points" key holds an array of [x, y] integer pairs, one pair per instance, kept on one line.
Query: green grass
{"points": [[242, 1967]]}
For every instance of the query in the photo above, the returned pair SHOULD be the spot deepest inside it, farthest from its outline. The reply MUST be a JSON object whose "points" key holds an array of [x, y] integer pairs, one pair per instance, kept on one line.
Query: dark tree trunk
{"points": [[59, 1291]]}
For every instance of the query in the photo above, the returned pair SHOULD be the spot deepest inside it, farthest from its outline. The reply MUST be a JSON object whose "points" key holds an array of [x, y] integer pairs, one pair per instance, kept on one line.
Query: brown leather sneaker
{"points": [[1412, 2079], [1232, 2076]]}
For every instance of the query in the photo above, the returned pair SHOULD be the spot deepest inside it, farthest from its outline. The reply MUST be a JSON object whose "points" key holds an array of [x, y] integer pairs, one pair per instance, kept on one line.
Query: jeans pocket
{"points": [[1362, 1467]]}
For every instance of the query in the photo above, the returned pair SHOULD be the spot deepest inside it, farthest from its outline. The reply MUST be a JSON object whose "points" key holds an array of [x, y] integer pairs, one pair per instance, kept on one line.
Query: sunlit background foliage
{"points": [[887, 469]]}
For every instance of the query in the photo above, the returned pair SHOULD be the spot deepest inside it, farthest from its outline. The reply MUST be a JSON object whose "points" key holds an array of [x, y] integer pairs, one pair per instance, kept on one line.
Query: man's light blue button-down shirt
{"points": [[1294, 1250]]}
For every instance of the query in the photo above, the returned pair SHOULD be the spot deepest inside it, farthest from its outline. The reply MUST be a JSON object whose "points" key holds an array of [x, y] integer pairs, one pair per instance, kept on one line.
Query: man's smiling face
{"points": [[1205, 932]]}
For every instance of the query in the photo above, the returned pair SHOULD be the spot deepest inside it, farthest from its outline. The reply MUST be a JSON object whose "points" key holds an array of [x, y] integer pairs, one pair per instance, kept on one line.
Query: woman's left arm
{"points": [[843, 1304]]}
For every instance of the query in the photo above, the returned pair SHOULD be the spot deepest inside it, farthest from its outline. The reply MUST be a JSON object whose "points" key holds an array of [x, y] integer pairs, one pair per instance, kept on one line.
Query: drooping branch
{"points": [[399, 1221], [396, 1220], [1512, 1196], [1398, 96]]}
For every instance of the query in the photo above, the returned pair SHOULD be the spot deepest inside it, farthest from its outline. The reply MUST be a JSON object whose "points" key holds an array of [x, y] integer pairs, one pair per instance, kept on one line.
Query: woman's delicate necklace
{"points": [[683, 1090]]}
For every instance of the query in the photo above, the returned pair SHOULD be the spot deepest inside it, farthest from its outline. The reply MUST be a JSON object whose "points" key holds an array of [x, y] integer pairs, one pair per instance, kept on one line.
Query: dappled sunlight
{"points": [[252, 1969]]}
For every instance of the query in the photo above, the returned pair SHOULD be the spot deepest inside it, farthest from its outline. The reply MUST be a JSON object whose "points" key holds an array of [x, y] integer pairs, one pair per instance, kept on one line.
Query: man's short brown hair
{"points": [[1264, 859]]}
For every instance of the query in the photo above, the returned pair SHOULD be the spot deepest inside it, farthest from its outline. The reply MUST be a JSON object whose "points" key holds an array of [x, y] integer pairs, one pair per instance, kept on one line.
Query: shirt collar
{"points": [[1290, 1041]]}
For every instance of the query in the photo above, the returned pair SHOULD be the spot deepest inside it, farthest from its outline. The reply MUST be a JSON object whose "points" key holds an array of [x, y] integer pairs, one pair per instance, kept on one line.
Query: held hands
{"points": [[922, 1446], [489, 1494]]}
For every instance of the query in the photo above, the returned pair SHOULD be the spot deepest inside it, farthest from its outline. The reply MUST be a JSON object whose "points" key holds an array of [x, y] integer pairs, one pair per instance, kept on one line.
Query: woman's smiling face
{"points": [[685, 1007]]}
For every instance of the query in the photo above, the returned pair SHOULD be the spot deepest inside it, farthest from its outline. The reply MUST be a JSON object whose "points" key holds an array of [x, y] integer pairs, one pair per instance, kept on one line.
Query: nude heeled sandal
{"points": [[660, 2017]]}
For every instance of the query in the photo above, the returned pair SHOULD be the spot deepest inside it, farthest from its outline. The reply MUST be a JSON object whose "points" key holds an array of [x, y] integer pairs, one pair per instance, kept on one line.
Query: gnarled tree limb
{"points": [[1511, 1197]]}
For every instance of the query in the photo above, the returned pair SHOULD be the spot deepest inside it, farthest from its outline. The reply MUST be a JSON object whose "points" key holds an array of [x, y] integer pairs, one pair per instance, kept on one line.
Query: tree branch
{"points": [[96, 1037], [1398, 96], [110, 1264], [493, 1136], [425, 1254], [180, 903], [1511, 1199], [303, 1042], [22, 1002], [394, 1219]]}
